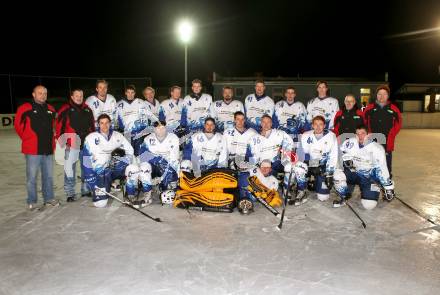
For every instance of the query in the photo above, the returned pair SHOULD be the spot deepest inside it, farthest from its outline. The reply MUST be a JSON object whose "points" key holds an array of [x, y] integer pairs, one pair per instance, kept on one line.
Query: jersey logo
{"points": [[96, 104], [189, 103], [171, 105], [96, 141], [152, 141], [349, 145], [201, 139], [218, 104], [309, 140]]}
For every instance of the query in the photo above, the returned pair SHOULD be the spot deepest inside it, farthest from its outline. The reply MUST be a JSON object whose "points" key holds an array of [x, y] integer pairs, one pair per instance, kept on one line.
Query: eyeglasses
{"points": [[163, 123]]}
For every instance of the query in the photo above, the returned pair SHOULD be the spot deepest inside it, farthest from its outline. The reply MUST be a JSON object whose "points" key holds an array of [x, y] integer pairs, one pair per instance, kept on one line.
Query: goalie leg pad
{"points": [[203, 199], [208, 182]]}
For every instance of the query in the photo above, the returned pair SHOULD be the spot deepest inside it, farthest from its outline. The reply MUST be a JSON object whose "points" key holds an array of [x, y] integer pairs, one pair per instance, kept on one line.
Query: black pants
{"points": [[389, 156]]}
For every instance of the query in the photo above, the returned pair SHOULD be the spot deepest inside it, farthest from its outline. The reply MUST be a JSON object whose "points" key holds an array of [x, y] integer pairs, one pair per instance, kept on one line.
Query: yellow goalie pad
{"points": [[210, 181], [258, 189], [203, 199]]}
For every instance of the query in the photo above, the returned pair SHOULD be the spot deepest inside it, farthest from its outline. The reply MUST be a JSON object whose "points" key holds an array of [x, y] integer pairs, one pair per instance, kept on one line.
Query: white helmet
{"points": [[168, 197], [186, 166]]}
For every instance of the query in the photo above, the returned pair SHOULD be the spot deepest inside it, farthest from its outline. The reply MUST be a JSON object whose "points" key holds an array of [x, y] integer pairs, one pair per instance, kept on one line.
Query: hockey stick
{"points": [[415, 211], [352, 209], [128, 205], [210, 209], [280, 225]]}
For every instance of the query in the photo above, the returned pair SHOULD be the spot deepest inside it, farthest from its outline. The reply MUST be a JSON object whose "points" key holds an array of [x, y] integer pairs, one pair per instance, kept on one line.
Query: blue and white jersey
{"points": [[224, 113], [99, 107], [171, 112], [134, 116], [153, 107], [195, 111], [160, 152], [320, 151], [255, 107], [367, 159], [326, 107], [206, 152], [98, 148], [236, 141], [276, 146], [290, 118]]}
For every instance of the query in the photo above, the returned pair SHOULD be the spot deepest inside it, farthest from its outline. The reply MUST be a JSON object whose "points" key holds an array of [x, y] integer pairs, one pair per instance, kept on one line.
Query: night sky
{"points": [[286, 38]]}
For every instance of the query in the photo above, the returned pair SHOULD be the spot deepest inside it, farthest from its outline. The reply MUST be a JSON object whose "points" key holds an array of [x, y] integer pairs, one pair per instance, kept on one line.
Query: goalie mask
{"points": [[167, 197]]}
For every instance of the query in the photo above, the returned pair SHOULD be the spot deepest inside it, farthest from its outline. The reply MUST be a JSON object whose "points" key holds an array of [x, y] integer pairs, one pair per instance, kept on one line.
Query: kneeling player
{"points": [[205, 150], [364, 164], [107, 155], [258, 183], [319, 148], [161, 150]]}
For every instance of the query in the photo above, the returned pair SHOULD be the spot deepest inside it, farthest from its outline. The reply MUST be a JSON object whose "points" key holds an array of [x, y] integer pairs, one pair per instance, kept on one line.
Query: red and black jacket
{"points": [[386, 120], [346, 121], [74, 118], [34, 124]]}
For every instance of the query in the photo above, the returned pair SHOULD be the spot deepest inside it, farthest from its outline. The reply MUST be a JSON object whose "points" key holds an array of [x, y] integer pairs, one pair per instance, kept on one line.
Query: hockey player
{"points": [[205, 150], [197, 106], [319, 147], [160, 149], [99, 169], [102, 102], [385, 118], [74, 121], [258, 104], [265, 182], [290, 115], [225, 109], [364, 164], [237, 139], [134, 118], [322, 105], [152, 103], [277, 146], [171, 110]]}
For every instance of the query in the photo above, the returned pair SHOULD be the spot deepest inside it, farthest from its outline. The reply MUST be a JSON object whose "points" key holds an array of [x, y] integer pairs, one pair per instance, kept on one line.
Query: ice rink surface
{"points": [[78, 249]]}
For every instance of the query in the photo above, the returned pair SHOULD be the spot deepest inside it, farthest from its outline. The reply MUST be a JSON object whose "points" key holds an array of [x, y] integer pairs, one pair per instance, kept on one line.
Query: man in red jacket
{"points": [[74, 122], [34, 124], [384, 118]]}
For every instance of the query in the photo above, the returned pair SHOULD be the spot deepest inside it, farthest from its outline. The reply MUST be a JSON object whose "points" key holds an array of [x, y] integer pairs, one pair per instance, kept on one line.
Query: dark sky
{"points": [[287, 38]]}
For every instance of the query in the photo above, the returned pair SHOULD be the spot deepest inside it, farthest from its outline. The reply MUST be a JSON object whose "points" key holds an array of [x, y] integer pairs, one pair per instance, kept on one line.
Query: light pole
{"points": [[185, 30]]}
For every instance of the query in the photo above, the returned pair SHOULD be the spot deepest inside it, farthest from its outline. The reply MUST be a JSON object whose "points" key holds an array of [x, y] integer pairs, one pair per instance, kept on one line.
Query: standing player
{"points": [[134, 118], [319, 147], [258, 104], [171, 110], [152, 103], [102, 102], [225, 109], [205, 150], [364, 163], [347, 119], [290, 115], [197, 106], [384, 118], [322, 105]]}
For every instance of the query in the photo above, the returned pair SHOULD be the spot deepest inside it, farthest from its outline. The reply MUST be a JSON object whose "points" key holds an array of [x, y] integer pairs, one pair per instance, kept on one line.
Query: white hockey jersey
{"points": [[326, 107], [134, 116], [98, 148], [319, 152], [206, 152], [171, 112], [290, 118], [224, 113], [271, 182], [98, 107], [274, 147], [195, 111], [237, 141], [153, 107], [255, 107], [366, 158], [156, 152]]}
